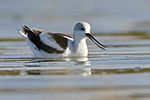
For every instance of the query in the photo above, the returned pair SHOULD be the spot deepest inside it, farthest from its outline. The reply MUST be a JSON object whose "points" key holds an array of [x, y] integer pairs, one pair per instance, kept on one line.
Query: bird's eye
{"points": [[83, 29]]}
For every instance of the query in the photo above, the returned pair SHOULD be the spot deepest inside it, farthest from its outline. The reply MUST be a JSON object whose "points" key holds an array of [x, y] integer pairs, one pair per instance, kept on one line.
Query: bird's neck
{"points": [[80, 47]]}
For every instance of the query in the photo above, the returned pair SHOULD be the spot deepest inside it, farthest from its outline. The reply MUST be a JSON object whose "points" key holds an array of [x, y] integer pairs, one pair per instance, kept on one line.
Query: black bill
{"points": [[95, 41]]}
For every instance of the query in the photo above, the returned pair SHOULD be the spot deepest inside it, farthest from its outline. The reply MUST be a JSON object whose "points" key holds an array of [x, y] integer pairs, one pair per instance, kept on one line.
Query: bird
{"points": [[53, 45]]}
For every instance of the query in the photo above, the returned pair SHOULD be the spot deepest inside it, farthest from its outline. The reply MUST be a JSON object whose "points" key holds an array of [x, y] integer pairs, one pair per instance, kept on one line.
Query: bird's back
{"points": [[46, 44]]}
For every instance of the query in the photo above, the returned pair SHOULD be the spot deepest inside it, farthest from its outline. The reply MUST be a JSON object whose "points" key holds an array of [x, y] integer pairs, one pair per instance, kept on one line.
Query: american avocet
{"points": [[47, 44]]}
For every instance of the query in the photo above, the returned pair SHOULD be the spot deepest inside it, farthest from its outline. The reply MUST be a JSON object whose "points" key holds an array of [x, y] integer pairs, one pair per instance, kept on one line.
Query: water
{"points": [[121, 72], [105, 16]]}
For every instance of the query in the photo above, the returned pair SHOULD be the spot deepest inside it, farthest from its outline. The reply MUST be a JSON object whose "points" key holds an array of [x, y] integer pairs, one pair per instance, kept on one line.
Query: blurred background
{"points": [[105, 16], [121, 72]]}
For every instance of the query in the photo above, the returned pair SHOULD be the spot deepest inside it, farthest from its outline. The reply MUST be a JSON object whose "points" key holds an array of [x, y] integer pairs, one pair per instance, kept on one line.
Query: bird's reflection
{"points": [[63, 66]]}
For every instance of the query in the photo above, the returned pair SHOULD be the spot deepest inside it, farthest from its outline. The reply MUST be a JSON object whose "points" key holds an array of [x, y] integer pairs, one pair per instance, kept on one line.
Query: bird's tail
{"points": [[25, 30]]}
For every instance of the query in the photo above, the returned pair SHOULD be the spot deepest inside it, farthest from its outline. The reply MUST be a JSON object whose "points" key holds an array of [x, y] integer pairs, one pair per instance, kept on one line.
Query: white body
{"points": [[76, 46]]}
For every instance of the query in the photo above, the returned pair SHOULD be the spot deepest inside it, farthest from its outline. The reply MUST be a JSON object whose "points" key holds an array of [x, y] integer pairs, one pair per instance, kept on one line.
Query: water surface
{"points": [[120, 72]]}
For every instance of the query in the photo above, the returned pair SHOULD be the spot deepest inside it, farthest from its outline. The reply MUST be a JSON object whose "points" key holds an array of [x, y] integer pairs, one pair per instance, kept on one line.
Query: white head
{"points": [[82, 30]]}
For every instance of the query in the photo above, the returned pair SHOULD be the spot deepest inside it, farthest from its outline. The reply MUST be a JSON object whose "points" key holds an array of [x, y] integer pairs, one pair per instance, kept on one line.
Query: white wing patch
{"points": [[48, 40], [68, 38], [23, 34]]}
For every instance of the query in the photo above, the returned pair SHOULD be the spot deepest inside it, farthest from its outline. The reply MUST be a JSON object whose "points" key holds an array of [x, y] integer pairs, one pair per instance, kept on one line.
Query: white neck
{"points": [[80, 46]]}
